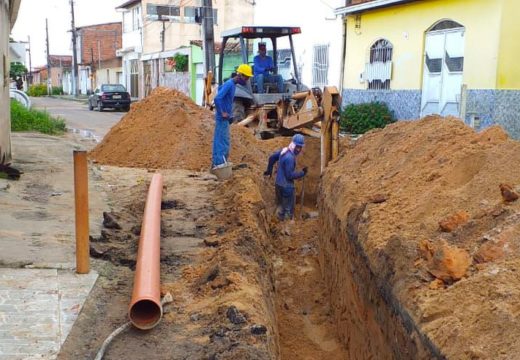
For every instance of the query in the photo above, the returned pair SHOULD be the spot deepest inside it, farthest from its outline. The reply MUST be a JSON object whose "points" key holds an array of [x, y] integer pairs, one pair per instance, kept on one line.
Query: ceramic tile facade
{"points": [[405, 104], [490, 107], [484, 107]]}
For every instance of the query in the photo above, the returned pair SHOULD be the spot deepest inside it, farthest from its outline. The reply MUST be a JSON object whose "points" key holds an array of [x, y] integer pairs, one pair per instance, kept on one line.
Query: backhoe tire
{"points": [[239, 111], [90, 107], [99, 106]]}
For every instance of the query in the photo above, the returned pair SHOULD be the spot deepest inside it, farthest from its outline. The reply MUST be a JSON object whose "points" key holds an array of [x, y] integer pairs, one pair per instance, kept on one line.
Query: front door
{"points": [[443, 69]]}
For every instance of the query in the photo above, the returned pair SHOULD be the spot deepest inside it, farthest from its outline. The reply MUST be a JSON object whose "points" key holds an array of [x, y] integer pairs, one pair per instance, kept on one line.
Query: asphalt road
{"points": [[78, 117]]}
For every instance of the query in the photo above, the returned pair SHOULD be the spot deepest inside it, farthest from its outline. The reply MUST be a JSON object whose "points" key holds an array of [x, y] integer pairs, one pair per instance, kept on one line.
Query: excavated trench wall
{"points": [[408, 216], [370, 321]]}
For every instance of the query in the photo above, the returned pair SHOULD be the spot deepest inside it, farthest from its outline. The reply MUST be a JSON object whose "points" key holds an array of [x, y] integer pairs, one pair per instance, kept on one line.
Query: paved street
{"points": [[78, 116]]}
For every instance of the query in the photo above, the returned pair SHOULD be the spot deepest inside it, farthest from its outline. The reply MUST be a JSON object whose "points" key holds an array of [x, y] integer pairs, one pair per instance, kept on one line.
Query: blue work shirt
{"points": [[224, 99], [286, 173], [261, 65]]}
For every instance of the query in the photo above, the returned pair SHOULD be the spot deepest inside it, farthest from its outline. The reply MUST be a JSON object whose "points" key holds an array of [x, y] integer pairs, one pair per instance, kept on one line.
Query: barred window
{"points": [[378, 71], [320, 65]]}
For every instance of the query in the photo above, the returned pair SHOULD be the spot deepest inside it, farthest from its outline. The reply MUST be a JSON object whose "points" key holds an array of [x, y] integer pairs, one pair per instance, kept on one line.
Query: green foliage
{"points": [[17, 69], [181, 62], [37, 90], [57, 90], [360, 118], [23, 119]]}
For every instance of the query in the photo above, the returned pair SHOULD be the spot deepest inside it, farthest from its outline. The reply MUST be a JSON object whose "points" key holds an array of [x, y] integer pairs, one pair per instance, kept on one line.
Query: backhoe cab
{"points": [[297, 108]]}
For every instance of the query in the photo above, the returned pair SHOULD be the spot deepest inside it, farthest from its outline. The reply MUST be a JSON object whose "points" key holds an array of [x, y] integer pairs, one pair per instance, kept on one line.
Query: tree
{"points": [[17, 69]]}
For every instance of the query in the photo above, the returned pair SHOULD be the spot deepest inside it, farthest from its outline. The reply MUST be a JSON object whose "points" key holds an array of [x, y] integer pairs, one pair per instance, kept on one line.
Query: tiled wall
{"points": [[484, 107], [406, 104], [491, 107]]}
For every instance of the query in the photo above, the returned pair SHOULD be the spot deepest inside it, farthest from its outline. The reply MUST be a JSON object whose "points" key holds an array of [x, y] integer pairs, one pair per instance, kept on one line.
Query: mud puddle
{"points": [[86, 134]]}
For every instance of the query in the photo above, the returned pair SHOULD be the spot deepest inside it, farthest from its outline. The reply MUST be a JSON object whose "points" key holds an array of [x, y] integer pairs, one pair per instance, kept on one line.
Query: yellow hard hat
{"points": [[245, 70]]}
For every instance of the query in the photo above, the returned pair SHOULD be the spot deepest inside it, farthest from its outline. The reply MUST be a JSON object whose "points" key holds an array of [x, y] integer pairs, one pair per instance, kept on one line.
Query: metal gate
{"points": [[443, 69]]}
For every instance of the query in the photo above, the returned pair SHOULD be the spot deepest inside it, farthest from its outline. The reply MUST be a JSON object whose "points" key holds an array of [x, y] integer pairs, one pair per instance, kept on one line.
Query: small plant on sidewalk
{"points": [[37, 90], [360, 118], [23, 119]]}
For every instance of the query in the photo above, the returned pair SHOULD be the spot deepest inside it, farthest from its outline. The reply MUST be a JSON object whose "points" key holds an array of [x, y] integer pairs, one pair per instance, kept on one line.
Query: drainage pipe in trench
{"points": [[145, 310]]}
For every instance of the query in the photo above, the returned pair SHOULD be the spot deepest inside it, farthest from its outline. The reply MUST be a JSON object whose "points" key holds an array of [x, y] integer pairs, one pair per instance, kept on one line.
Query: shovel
{"points": [[302, 198]]}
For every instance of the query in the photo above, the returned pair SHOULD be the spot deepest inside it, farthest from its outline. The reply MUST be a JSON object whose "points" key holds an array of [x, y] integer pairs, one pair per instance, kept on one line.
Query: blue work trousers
{"points": [[285, 198], [260, 79], [221, 141]]}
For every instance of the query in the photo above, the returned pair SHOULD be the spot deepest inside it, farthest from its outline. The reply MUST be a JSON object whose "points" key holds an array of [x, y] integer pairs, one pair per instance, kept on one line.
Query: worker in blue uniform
{"points": [[224, 114], [285, 176], [263, 67]]}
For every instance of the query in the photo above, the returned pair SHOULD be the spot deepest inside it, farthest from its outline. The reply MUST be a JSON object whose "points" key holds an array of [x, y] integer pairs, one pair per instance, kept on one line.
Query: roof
{"points": [[128, 4], [230, 46], [14, 6], [63, 60], [256, 32], [369, 5], [96, 25]]}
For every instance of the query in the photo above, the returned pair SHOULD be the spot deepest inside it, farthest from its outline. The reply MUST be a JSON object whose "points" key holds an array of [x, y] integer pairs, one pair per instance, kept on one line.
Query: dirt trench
{"points": [[241, 289]]}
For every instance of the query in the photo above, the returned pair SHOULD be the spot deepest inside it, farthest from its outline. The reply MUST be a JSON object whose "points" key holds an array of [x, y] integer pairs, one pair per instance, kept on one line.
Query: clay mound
{"points": [[426, 173], [165, 130]]}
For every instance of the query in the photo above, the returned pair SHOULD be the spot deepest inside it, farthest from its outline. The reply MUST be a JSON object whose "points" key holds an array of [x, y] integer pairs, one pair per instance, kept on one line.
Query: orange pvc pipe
{"points": [[145, 310]]}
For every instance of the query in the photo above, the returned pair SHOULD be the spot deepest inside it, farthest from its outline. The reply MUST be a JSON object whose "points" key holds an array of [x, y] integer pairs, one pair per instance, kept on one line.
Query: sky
{"points": [[31, 22]]}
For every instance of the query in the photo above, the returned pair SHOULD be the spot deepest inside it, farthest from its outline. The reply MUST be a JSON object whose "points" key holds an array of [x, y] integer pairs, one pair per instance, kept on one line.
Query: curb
{"points": [[81, 100]]}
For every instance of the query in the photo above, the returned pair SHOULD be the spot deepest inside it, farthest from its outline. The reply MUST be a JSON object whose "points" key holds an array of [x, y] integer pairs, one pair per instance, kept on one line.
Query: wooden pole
{"points": [[335, 138], [81, 202]]}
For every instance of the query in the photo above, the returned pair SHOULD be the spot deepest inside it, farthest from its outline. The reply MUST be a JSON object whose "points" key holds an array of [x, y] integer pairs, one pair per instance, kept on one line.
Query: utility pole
{"points": [[30, 60], [74, 54], [163, 33], [208, 37], [49, 92]]}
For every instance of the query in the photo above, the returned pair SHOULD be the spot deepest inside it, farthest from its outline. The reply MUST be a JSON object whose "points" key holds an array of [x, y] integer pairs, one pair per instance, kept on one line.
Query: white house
{"points": [[319, 48], [132, 47]]}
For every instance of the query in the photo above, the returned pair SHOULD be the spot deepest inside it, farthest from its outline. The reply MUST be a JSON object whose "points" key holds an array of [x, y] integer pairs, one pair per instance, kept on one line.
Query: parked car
{"points": [[112, 96]]}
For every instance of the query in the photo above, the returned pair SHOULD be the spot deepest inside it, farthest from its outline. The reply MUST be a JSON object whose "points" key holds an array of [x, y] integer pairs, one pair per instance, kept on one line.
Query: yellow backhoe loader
{"points": [[313, 112]]}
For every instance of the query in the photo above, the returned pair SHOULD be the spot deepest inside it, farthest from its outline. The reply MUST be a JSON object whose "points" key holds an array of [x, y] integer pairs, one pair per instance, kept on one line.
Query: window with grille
{"points": [[134, 78], [378, 71], [163, 12], [136, 17], [320, 65], [189, 14]]}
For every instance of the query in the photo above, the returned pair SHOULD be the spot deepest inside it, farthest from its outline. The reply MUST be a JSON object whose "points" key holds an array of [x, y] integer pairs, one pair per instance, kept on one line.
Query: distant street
{"points": [[77, 115]]}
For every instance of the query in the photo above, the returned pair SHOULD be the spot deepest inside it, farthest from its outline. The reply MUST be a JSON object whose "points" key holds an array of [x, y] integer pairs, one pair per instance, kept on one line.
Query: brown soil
{"points": [[237, 282], [440, 217], [166, 130]]}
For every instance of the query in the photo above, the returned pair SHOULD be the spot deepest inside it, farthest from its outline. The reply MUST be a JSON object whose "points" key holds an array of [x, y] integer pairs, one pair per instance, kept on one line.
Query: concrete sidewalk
{"points": [[40, 294], [38, 308]]}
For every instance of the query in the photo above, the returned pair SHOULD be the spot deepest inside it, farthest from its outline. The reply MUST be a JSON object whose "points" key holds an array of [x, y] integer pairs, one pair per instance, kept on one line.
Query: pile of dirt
{"points": [[165, 130], [423, 216]]}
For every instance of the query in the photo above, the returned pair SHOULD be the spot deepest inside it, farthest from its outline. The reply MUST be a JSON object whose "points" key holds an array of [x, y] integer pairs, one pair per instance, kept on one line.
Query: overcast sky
{"points": [[31, 22]]}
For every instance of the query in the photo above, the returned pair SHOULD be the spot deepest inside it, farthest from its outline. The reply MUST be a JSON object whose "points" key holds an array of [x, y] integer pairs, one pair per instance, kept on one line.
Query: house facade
{"points": [[319, 47], [448, 57], [8, 14], [155, 31], [97, 59], [132, 46]]}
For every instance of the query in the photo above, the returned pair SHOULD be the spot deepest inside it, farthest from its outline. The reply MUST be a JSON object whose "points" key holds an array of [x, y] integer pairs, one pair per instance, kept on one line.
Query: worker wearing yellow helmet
{"points": [[224, 114]]}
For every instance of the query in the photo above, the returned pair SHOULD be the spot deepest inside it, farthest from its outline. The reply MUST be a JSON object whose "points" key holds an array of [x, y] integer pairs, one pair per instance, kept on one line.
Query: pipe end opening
{"points": [[145, 314]]}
